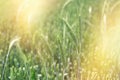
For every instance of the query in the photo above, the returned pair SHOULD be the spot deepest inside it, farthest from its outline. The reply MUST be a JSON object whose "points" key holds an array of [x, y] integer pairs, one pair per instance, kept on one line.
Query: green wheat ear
{"points": [[68, 26], [22, 56]]}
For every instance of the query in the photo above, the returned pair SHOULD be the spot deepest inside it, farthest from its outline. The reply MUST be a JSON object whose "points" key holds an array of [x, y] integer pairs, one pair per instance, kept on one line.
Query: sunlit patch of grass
{"points": [[103, 57]]}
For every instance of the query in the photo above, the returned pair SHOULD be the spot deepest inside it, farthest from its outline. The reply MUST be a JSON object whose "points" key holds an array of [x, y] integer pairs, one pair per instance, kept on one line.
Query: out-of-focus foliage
{"points": [[64, 42]]}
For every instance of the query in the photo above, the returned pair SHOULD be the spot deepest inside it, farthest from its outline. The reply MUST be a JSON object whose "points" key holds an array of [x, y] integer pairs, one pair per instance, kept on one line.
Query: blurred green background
{"points": [[59, 40]]}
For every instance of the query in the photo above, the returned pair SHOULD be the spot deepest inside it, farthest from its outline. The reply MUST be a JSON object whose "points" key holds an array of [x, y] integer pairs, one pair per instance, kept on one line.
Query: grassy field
{"points": [[59, 40]]}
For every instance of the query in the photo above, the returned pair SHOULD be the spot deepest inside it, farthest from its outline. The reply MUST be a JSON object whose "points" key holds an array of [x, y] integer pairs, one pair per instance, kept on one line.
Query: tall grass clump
{"points": [[70, 42]]}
